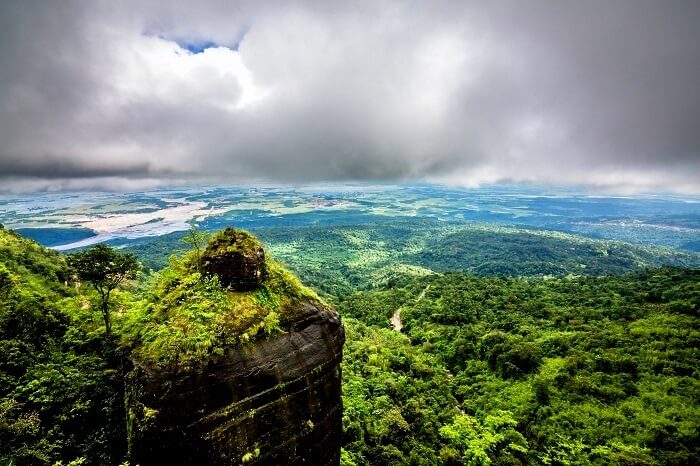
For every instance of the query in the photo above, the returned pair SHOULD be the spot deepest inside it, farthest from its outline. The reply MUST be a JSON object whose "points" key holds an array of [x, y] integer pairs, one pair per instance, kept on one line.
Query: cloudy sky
{"points": [[123, 95]]}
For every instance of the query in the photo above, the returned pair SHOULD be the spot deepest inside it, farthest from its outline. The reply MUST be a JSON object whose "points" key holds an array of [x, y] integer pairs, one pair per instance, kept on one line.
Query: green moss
{"points": [[231, 240], [185, 317], [250, 456]]}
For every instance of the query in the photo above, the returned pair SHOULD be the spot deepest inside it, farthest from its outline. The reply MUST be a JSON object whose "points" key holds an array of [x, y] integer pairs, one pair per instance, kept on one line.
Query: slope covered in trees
{"points": [[336, 260], [590, 370], [487, 369], [60, 381], [68, 356]]}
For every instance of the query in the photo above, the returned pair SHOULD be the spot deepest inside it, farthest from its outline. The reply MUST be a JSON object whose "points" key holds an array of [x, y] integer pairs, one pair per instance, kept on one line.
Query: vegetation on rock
{"points": [[184, 316], [237, 258], [61, 379], [187, 316]]}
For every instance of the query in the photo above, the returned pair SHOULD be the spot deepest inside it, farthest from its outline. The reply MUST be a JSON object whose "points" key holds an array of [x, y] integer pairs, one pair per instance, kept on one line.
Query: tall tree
{"points": [[197, 239], [105, 269]]}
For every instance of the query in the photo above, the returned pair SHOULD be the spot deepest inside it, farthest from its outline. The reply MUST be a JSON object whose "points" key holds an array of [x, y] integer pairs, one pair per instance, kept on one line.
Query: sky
{"points": [[603, 94]]}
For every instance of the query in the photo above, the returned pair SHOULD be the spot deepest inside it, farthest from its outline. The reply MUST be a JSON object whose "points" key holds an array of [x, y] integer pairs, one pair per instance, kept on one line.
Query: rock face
{"points": [[276, 401], [237, 258]]}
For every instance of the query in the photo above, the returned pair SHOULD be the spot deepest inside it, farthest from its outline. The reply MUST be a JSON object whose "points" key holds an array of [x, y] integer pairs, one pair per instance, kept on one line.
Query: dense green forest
{"points": [[61, 388], [336, 260], [588, 370], [523, 361], [62, 371]]}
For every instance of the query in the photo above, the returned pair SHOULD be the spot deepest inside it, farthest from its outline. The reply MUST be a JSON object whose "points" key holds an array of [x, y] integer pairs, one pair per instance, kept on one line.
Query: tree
{"points": [[197, 240], [482, 443], [105, 269], [6, 281]]}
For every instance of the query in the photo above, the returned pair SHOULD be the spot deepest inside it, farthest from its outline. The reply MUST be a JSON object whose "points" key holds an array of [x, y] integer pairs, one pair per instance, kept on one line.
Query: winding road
{"points": [[395, 320]]}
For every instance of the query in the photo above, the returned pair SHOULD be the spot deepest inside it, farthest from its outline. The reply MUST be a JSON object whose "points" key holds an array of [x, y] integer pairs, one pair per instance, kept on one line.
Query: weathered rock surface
{"points": [[275, 401], [237, 258]]}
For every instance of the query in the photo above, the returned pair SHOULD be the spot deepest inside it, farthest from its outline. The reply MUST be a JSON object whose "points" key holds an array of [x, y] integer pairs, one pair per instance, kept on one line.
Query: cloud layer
{"points": [[596, 93]]}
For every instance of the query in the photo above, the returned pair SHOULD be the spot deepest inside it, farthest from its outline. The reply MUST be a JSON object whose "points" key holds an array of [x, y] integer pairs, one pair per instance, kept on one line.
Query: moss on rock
{"points": [[187, 317], [237, 258], [238, 363]]}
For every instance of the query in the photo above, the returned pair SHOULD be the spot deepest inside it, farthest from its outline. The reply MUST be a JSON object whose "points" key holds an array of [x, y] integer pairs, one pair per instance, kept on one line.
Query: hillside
{"points": [[589, 370], [541, 369], [60, 385], [366, 254], [204, 363]]}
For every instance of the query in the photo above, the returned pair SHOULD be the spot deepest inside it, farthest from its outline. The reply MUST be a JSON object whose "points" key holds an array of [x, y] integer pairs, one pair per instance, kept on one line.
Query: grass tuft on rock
{"points": [[231, 240], [186, 317]]}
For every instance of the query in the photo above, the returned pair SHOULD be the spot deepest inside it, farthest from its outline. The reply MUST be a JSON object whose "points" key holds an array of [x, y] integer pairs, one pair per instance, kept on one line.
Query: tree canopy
{"points": [[105, 269]]}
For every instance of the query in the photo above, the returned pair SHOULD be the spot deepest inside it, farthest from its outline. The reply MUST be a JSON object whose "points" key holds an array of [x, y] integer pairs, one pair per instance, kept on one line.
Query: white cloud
{"points": [[371, 90], [148, 67]]}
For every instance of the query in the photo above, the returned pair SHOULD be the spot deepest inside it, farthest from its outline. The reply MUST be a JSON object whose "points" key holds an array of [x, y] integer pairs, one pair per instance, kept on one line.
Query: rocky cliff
{"points": [[273, 400]]}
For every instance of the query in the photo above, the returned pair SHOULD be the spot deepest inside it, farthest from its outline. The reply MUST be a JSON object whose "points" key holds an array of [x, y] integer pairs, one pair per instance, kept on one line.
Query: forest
{"points": [[586, 370], [520, 363], [339, 259]]}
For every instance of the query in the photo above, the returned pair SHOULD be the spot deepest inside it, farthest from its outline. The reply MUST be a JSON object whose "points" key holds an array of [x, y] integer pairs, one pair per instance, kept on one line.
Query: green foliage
{"points": [[41, 270], [479, 444], [231, 240], [588, 370], [60, 388], [519, 252], [197, 240], [183, 316], [337, 260], [105, 269], [534, 363], [396, 397]]}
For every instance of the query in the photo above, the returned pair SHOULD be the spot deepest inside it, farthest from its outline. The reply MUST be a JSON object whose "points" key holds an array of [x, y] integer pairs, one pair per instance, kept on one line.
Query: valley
{"points": [[121, 218], [493, 339]]}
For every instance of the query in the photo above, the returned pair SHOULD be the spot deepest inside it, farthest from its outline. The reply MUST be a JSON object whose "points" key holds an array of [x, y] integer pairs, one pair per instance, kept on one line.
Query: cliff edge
{"points": [[234, 363]]}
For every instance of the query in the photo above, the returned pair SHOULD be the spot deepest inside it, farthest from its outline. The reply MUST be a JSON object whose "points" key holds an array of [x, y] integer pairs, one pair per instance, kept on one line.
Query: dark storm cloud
{"points": [[51, 168], [598, 93]]}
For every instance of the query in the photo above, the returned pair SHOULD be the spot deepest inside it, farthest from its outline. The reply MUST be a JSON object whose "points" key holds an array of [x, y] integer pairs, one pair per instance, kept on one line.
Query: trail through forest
{"points": [[395, 320]]}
